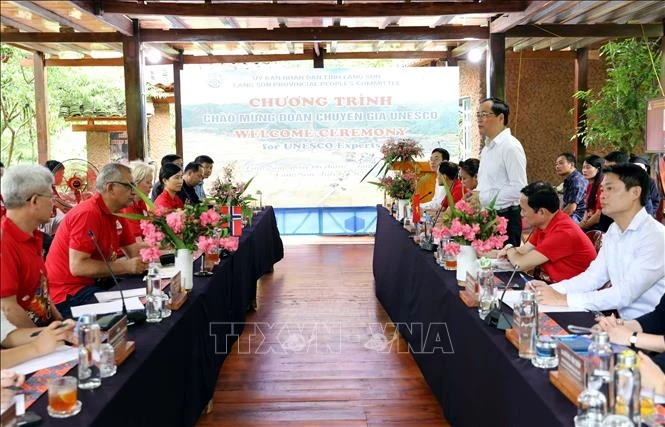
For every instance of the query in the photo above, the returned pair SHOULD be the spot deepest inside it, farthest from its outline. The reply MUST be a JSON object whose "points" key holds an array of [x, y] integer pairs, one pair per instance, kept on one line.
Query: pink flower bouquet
{"points": [[483, 229], [195, 227]]}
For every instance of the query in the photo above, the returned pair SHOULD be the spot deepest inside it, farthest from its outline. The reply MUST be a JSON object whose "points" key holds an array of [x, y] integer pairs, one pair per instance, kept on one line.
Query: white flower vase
{"points": [[401, 208], [184, 261], [467, 262]]}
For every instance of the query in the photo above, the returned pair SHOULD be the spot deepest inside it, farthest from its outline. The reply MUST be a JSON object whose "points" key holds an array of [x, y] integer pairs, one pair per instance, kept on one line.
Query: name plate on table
{"points": [[469, 294], [118, 340], [570, 376], [178, 297]]}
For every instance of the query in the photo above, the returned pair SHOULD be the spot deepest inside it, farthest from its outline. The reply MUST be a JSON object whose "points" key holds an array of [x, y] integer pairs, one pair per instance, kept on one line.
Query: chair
{"points": [[596, 238]]}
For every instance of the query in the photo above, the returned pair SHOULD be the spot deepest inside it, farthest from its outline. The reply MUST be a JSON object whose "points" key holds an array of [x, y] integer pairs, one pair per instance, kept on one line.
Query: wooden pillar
{"points": [[134, 97], [177, 66], [318, 55], [496, 66], [581, 83], [41, 107]]}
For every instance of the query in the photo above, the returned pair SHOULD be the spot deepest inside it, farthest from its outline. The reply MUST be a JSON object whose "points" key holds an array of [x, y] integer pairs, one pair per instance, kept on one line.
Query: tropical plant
{"points": [[616, 115]]}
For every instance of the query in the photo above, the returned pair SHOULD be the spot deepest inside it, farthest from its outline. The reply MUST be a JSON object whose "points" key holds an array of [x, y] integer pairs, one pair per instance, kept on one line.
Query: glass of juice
{"points": [[62, 397]]}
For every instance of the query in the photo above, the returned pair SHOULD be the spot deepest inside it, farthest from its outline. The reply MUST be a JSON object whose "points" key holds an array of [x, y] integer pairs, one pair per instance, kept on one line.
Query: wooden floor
{"points": [[321, 353]]}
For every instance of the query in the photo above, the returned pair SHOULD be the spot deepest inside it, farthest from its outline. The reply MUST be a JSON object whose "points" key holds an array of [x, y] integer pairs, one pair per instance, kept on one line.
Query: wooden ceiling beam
{"points": [[590, 30], [179, 23], [315, 34], [503, 23], [38, 37], [313, 10], [214, 59], [119, 23], [49, 15], [464, 48]]}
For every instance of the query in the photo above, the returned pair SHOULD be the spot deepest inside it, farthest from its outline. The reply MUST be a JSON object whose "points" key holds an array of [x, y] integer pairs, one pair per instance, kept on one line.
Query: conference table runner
{"points": [[473, 370], [171, 376]]}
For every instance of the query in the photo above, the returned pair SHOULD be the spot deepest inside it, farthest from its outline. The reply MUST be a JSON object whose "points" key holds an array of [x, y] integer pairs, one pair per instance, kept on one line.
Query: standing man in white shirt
{"points": [[631, 256], [438, 156], [502, 172]]}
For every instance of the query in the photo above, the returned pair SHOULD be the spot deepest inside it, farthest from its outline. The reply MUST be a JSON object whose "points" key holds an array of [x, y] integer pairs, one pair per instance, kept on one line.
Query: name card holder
{"points": [[178, 296], [513, 337], [570, 376], [469, 294], [117, 337]]}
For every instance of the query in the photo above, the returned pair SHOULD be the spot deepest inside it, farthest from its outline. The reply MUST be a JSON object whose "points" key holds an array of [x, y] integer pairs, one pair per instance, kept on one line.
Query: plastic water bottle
{"points": [[528, 327], [601, 365], [153, 296], [89, 335], [486, 298], [627, 387]]}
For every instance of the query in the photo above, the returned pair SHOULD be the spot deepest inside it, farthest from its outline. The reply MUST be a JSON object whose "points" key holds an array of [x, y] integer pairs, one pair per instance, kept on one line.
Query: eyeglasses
{"points": [[484, 114], [48, 196], [129, 186]]}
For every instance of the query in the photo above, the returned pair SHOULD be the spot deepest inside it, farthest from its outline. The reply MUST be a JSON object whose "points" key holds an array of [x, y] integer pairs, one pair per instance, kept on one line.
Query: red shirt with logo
{"points": [[23, 272], [165, 201], [568, 249], [89, 215]]}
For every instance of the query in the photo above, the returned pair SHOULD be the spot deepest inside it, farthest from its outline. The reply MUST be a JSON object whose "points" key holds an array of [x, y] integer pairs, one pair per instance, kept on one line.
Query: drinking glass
{"points": [[63, 397], [648, 405], [153, 307], [107, 366]]}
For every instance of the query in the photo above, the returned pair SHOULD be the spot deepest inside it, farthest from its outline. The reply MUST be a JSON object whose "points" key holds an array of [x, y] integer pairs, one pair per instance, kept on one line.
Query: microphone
{"points": [[134, 316], [497, 318]]}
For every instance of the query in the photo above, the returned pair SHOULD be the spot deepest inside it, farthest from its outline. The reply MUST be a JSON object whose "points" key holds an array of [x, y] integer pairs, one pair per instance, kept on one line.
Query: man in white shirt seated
{"points": [[438, 156], [631, 256]]}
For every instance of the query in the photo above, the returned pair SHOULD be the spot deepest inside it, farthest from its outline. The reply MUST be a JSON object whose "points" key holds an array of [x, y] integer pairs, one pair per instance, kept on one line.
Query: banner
{"points": [[309, 135]]}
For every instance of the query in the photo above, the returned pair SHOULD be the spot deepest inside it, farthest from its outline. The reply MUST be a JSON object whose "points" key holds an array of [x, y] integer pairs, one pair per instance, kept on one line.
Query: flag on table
{"points": [[235, 219], [416, 208]]}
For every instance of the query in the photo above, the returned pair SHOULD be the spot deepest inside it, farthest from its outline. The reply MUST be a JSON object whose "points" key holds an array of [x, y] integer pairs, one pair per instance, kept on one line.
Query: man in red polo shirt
{"points": [[24, 287], [73, 262], [557, 244]]}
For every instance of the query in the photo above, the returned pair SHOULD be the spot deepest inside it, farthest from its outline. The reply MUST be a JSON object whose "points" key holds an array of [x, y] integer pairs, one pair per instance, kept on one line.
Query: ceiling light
{"points": [[475, 54], [154, 56]]}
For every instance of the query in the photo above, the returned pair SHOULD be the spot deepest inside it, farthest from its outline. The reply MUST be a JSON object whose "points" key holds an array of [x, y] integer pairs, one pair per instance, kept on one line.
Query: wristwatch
{"points": [[633, 340]]}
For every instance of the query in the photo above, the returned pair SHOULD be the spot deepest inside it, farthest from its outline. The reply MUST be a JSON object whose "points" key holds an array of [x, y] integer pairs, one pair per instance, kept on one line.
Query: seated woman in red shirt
{"points": [[142, 175], [170, 182], [592, 171], [447, 176], [468, 175]]}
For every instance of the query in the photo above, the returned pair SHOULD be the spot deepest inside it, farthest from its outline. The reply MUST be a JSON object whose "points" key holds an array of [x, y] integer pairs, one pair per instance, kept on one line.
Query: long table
{"points": [[472, 369], [172, 374]]}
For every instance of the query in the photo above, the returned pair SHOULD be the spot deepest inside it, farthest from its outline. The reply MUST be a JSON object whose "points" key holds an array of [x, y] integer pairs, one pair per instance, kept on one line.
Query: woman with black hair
{"points": [[468, 174], [170, 183], [592, 170]]}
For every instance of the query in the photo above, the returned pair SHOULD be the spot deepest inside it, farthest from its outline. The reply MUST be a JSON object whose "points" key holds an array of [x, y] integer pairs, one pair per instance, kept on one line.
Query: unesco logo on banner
{"points": [[215, 80]]}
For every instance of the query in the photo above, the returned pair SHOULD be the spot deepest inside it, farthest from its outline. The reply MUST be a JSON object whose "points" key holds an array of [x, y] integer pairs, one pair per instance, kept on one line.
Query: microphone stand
{"points": [[134, 316], [497, 318]]}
